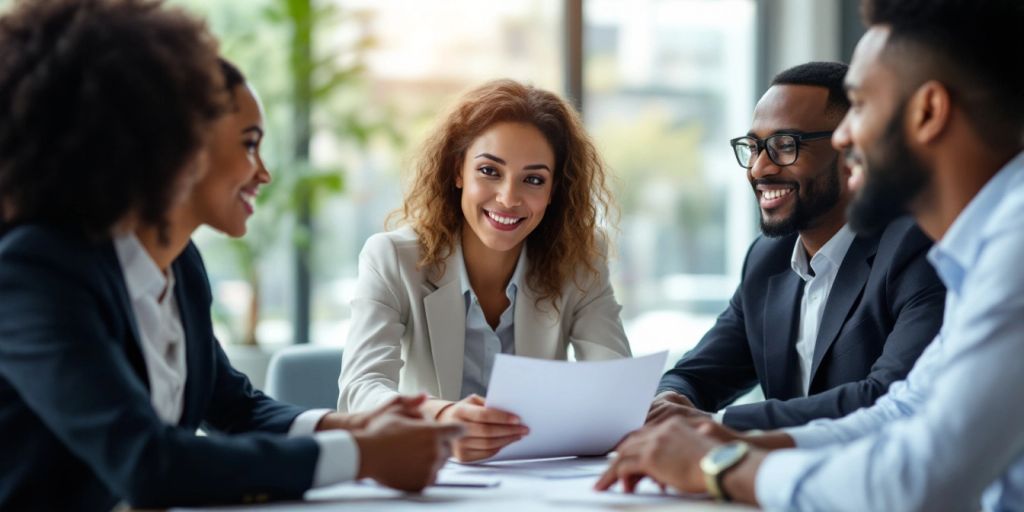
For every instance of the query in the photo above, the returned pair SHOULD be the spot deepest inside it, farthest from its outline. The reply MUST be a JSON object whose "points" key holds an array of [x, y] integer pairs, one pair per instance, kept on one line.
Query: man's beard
{"points": [[893, 177], [820, 199]]}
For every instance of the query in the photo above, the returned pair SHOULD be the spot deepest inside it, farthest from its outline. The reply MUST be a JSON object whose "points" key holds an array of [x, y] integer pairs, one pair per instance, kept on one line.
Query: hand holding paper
{"points": [[573, 408], [487, 429]]}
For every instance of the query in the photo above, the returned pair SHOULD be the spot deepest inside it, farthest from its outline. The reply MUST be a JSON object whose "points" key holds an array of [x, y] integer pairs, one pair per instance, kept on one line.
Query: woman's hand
{"points": [[487, 430]]}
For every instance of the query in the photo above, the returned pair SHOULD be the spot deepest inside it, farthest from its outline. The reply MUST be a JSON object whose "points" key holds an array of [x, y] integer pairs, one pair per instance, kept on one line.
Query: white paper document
{"points": [[573, 408]]}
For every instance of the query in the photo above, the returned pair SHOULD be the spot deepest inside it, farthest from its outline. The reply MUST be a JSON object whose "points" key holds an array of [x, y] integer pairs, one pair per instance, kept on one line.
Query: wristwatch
{"points": [[719, 460]]}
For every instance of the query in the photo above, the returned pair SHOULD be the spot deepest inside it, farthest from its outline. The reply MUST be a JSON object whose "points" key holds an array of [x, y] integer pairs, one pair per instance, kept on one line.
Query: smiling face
{"points": [[800, 195], [506, 182], [224, 198], [886, 174]]}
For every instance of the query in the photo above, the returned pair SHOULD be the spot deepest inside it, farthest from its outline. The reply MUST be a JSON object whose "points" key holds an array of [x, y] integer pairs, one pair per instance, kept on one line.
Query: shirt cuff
{"points": [[338, 460], [305, 424], [719, 416], [811, 436], [780, 475]]}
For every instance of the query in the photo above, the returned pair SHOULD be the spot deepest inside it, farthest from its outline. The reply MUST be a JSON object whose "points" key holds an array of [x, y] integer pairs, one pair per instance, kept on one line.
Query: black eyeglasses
{"points": [[783, 148]]}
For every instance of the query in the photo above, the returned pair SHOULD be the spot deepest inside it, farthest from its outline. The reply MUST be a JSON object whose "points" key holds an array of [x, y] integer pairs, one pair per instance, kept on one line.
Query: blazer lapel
{"points": [[112, 265], [195, 364], [536, 333], [445, 308], [853, 275], [781, 312]]}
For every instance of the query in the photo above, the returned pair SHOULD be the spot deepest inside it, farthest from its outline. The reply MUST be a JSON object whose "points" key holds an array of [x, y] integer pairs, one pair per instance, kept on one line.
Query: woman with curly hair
{"points": [[120, 133], [500, 253]]}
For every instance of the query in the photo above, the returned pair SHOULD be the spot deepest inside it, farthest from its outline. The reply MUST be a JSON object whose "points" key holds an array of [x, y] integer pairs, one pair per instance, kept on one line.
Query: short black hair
{"points": [[103, 105], [825, 74], [971, 46]]}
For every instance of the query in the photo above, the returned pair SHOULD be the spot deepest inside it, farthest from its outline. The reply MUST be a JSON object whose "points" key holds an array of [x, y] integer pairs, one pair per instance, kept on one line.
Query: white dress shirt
{"points": [[159, 323], [162, 340], [951, 435], [483, 342], [819, 274]]}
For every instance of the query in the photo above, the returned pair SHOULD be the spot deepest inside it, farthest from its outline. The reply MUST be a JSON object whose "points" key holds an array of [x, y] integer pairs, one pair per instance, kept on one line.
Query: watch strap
{"points": [[715, 472]]}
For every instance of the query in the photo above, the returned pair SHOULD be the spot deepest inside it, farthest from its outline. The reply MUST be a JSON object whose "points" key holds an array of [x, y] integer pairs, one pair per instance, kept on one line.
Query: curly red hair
{"points": [[567, 238]]}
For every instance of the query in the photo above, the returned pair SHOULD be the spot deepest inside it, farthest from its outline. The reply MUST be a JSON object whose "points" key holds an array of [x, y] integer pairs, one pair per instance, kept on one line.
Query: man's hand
{"points": [[770, 440], [668, 452], [714, 430], [487, 430], [669, 404], [401, 405], [404, 453]]}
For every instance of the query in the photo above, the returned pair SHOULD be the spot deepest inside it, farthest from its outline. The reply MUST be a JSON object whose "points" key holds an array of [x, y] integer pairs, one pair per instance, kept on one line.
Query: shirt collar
{"points": [[513, 284], [959, 247], [141, 274], [830, 256]]}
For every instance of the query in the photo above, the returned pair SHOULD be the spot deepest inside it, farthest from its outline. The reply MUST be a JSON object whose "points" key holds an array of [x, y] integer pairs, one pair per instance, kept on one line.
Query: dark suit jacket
{"points": [[884, 308], [77, 426]]}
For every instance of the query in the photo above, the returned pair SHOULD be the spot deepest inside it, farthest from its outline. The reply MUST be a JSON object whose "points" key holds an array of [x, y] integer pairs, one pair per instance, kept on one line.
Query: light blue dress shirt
{"points": [[951, 435], [483, 342]]}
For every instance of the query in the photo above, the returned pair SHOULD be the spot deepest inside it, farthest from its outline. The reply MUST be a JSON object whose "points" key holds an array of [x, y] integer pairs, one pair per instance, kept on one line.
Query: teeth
{"points": [[246, 197], [775, 193], [856, 180], [502, 220], [857, 170]]}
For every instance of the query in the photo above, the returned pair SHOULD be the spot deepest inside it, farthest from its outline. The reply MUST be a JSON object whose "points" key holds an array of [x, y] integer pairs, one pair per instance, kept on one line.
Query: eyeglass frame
{"points": [[762, 145]]}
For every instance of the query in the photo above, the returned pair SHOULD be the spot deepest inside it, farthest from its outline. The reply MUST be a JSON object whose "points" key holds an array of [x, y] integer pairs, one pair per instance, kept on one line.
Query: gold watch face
{"points": [[723, 456]]}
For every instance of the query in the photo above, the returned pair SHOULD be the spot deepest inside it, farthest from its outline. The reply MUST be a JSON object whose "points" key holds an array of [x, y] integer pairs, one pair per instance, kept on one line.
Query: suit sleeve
{"points": [[720, 368], [235, 406], [238, 407], [917, 301], [596, 331], [373, 353], [63, 357]]}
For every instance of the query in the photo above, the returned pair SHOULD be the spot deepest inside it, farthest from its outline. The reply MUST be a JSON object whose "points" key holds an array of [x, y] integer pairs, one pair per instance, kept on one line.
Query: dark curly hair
{"points": [[103, 105], [971, 46]]}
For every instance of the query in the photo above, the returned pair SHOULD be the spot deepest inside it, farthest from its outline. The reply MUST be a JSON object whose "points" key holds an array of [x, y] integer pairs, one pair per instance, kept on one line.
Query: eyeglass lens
{"points": [[782, 150]]}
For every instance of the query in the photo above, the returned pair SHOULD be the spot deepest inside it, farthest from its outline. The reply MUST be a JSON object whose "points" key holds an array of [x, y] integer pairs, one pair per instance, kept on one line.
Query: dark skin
{"points": [[798, 108], [959, 162], [784, 109], [396, 447]]}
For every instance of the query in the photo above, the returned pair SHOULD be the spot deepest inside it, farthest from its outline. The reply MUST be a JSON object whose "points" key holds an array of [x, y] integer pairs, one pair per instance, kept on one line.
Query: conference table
{"points": [[562, 485]]}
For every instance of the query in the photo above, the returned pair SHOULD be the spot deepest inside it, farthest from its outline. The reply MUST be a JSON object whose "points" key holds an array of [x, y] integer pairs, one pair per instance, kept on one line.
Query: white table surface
{"points": [[563, 485]]}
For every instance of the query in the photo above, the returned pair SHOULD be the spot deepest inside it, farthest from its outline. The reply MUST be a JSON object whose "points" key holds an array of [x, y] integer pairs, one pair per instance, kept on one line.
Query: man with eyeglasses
{"points": [[936, 129], [823, 320]]}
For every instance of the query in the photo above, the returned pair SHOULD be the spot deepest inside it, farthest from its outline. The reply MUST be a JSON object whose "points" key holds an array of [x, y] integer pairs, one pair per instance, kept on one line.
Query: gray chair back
{"points": [[305, 375]]}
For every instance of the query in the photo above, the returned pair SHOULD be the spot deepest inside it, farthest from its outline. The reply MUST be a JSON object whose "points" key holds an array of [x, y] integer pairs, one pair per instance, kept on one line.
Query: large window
{"points": [[666, 84]]}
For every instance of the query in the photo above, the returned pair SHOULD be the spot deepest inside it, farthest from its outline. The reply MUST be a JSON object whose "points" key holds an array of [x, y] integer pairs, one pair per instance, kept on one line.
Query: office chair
{"points": [[305, 375]]}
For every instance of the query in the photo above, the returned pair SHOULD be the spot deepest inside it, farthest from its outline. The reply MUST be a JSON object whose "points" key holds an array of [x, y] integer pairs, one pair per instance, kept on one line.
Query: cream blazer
{"points": [[408, 331]]}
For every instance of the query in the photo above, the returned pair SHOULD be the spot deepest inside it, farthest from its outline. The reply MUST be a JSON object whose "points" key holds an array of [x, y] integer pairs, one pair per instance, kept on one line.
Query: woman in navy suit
{"points": [[108, 362]]}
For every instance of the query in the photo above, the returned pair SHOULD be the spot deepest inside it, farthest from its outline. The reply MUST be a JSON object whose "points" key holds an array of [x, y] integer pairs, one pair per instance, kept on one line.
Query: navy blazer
{"points": [[77, 426], [884, 308]]}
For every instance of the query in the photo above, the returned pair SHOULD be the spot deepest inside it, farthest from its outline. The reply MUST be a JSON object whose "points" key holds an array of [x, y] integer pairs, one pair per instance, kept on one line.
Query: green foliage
{"points": [[305, 81], [649, 151]]}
